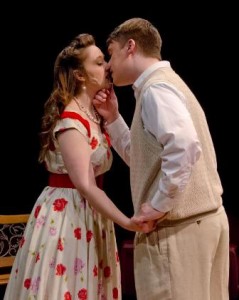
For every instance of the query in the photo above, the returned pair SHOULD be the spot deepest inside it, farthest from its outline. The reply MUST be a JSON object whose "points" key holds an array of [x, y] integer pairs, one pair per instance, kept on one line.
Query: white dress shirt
{"points": [[166, 117]]}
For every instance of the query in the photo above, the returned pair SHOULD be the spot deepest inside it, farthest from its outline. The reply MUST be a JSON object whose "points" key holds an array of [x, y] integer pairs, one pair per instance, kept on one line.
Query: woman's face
{"points": [[95, 67]]}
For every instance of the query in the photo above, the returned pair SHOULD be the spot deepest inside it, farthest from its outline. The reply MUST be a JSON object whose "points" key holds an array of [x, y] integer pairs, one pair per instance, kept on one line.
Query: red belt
{"points": [[60, 180]]}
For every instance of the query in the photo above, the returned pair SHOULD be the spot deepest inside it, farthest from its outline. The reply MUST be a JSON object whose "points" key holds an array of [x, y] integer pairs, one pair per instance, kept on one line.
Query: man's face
{"points": [[118, 63]]}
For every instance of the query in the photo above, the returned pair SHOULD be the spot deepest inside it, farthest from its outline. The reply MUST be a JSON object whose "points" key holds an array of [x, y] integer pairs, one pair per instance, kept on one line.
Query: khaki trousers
{"points": [[188, 261]]}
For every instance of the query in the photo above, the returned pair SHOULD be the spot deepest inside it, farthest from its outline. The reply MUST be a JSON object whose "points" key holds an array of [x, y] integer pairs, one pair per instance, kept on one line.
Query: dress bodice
{"points": [[99, 143]]}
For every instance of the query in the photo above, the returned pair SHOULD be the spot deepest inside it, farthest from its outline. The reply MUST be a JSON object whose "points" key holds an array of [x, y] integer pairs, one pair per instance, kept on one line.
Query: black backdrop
{"points": [[198, 40]]}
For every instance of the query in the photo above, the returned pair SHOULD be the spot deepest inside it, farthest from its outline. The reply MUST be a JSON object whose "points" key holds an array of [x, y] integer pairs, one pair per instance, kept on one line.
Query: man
{"points": [[173, 172]]}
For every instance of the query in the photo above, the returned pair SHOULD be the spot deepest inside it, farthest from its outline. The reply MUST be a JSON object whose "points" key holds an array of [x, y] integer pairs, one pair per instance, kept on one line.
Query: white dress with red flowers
{"points": [[69, 250]]}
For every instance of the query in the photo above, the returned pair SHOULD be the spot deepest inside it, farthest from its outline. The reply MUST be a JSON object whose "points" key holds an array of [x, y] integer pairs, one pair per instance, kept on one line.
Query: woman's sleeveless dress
{"points": [[68, 250]]}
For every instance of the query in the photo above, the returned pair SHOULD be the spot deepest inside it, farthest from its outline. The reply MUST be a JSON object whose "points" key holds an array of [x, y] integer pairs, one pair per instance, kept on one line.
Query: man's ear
{"points": [[131, 46]]}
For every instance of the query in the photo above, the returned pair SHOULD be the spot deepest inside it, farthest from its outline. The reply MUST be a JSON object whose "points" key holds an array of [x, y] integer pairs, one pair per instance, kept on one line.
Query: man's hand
{"points": [[147, 213], [106, 103]]}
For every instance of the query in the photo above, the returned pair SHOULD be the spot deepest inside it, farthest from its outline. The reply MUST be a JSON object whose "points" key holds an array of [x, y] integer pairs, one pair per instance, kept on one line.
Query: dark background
{"points": [[199, 41]]}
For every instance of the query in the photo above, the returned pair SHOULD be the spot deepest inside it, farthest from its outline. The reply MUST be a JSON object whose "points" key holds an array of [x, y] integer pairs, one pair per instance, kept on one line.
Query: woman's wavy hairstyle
{"points": [[65, 87]]}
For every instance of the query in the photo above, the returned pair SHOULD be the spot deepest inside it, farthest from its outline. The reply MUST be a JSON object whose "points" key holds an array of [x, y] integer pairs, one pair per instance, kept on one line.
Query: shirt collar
{"points": [[148, 71]]}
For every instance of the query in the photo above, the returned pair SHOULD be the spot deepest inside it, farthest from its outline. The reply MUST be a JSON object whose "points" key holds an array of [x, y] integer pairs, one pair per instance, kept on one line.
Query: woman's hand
{"points": [[140, 226]]}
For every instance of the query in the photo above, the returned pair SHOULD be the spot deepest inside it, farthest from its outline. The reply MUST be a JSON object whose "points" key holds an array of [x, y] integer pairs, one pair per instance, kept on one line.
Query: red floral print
{"points": [[95, 271], [89, 235], [27, 283], [107, 271], [117, 256], [60, 245], [60, 269], [37, 257], [67, 296], [93, 143], [107, 137], [21, 242], [37, 210], [49, 222], [115, 293], [59, 204], [77, 233], [82, 295]]}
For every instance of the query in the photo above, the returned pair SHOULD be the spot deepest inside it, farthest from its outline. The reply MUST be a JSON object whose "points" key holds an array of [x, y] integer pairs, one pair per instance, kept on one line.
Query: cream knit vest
{"points": [[203, 191]]}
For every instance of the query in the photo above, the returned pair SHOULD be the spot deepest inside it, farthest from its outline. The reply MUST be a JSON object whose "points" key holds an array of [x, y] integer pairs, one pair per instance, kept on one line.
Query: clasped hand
{"points": [[147, 217]]}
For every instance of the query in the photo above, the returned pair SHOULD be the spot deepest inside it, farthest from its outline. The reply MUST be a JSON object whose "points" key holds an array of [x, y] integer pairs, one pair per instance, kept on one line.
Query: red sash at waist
{"points": [[60, 180]]}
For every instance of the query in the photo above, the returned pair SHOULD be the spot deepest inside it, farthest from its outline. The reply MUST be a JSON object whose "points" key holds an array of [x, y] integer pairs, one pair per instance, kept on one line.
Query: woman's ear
{"points": [[78, 75]]}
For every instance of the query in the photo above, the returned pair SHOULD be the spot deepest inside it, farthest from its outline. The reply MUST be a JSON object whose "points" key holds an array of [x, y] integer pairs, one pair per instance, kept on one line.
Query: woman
{"points": [[69, 248]]}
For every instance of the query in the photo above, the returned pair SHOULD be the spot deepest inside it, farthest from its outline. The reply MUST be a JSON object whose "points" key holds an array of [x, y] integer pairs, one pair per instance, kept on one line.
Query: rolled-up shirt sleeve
{"points": [[165, 116], [120, 138]]}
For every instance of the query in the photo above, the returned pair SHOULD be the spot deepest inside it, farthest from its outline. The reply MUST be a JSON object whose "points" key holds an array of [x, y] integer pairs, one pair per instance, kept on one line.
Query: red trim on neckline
{"points": [[74, 115]]}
